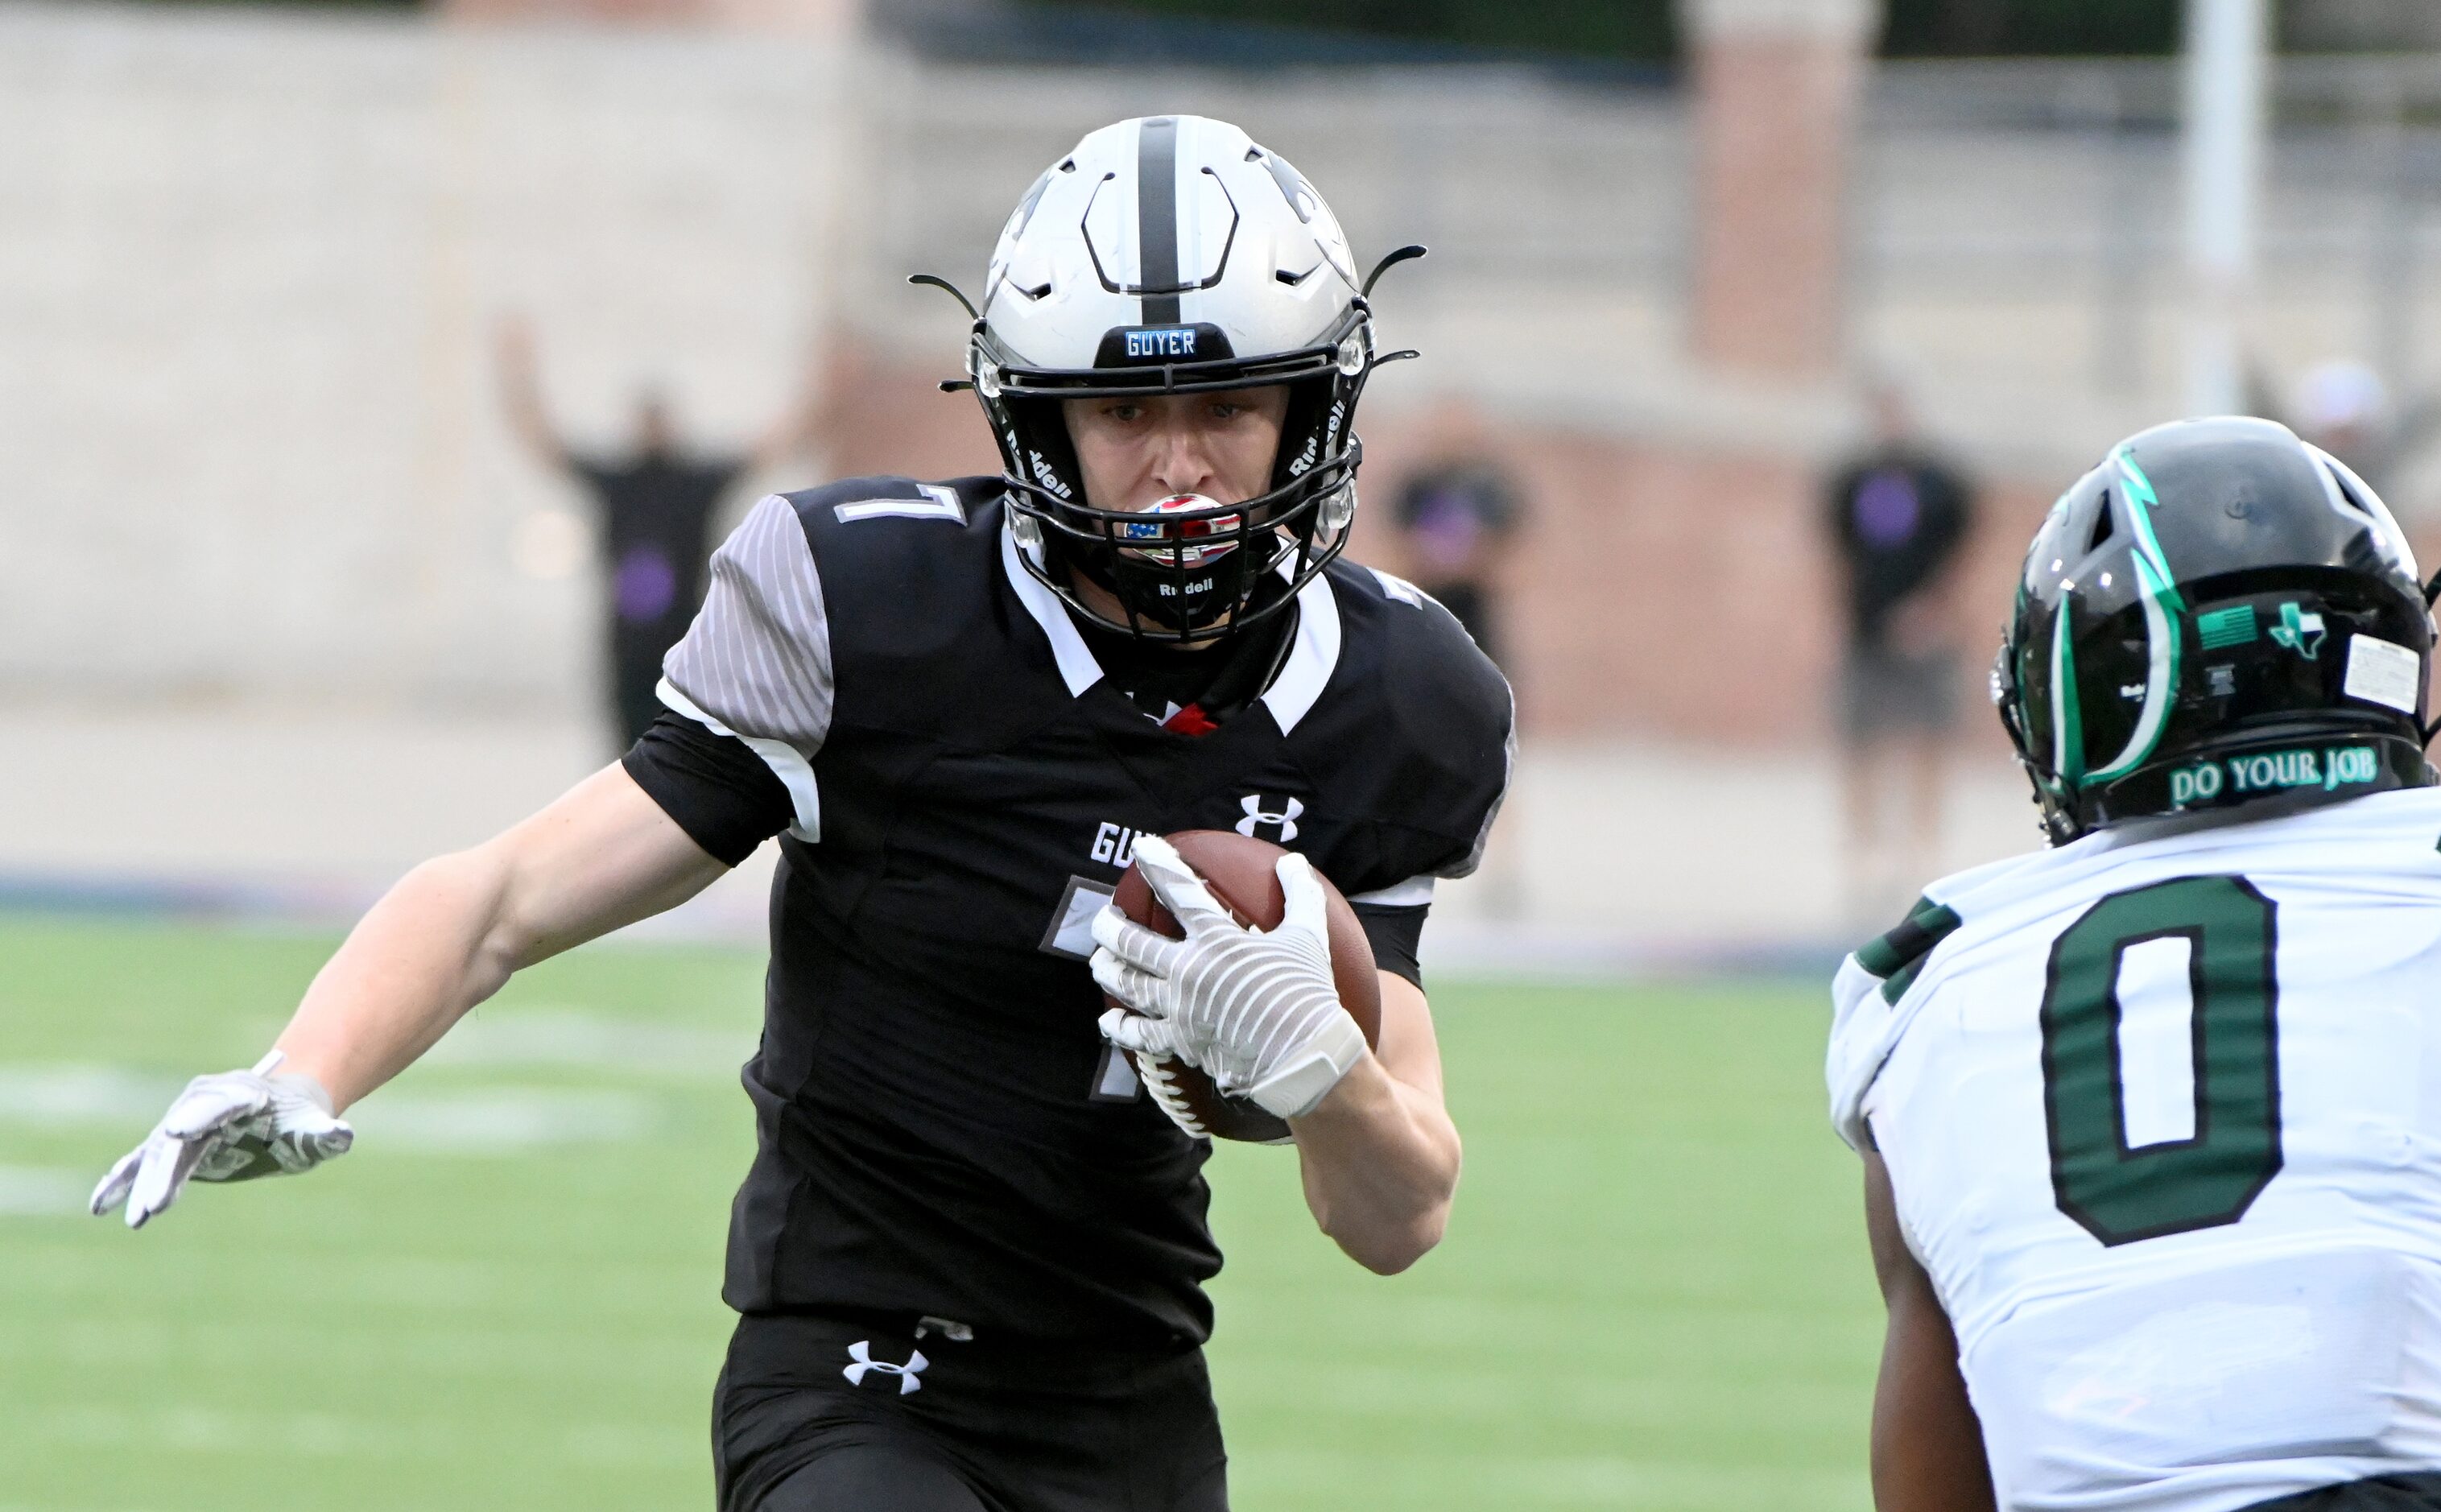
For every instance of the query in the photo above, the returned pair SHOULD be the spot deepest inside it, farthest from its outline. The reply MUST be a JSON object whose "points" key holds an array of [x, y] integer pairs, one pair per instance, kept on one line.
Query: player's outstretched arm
{"points": [[451, 932], [1928, 1443], [1380, 1154], [443, 940]]}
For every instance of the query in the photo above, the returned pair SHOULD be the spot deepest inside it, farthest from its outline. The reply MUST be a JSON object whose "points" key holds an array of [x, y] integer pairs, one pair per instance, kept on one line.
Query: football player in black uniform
{"points": [[968, 1256]]}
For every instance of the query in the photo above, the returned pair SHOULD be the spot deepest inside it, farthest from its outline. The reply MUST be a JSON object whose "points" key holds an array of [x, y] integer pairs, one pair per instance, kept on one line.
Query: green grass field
{"points": [[1655, 1294]]}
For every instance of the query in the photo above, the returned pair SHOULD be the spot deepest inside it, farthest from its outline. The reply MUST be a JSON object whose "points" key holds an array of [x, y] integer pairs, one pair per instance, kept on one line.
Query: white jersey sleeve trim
{"points": [[1415, 892], [786, 761]]}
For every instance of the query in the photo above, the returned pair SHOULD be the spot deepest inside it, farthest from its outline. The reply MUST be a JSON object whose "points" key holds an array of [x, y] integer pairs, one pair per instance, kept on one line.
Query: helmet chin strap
{"points": [[1206, 634], [1075, 567]]}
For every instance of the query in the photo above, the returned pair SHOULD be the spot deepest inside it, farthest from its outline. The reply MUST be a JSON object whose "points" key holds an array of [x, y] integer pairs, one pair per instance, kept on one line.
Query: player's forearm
{"points": [[1381, 1165], [448, 935], [434, 946]]}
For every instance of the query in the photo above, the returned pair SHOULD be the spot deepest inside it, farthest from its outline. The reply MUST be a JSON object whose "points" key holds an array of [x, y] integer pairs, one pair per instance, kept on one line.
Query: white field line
{"points": [[41, 1192], [572, 1038], [497, 1120]]}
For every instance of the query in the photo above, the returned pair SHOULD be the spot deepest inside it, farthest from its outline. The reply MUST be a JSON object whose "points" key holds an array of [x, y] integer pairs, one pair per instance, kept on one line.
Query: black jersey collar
{"points": [[1312, 657]]}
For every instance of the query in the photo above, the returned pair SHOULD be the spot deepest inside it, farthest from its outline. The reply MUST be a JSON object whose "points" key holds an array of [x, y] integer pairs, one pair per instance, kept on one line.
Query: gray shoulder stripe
{"points": [[758, 657]]}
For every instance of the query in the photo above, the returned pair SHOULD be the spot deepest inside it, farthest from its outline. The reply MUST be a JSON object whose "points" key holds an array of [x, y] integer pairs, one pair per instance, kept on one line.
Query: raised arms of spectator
{"points": [[799, 427], [796, 429], [521, 392]]}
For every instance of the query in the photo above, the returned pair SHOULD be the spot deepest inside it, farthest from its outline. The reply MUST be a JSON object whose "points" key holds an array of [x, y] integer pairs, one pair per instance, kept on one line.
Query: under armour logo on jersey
{"points": [[861, 1353], [1280, 821]]}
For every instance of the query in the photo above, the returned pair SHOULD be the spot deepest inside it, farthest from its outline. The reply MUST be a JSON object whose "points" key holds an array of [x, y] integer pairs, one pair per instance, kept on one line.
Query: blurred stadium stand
{"points": [[259, 491], [2360, 25]]}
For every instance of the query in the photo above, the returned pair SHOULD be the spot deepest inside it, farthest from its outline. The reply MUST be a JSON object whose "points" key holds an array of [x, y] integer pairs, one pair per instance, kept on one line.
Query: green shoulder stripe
{"points": [[1897, 957]]}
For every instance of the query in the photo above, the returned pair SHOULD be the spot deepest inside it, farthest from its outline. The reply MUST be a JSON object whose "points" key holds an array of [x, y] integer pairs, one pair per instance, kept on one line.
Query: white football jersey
{"points": [[2162, 1112]]}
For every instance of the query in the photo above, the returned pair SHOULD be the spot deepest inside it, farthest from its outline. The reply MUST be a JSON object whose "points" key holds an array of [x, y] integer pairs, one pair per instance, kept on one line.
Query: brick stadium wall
{"points": [[1773, 119], [1657, 591], [258, 456]]}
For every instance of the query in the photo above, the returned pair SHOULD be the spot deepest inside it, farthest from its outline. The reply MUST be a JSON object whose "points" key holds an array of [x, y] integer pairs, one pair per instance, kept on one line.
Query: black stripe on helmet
{"points": [[1157, 219]]}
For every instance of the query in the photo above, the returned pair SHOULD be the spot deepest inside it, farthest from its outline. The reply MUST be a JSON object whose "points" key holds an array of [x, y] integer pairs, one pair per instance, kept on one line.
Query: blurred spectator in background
{"points": [[654, 505], [1898, 515], [2345, 407], [1459, 513]]}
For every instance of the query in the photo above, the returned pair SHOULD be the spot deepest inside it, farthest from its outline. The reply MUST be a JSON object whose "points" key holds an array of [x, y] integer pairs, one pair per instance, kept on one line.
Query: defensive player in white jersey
{"points": [[2151, 1120]]}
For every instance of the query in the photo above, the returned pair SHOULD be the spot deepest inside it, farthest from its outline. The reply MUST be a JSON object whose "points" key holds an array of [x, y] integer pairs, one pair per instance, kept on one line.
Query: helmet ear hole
{"points": [[2103, 523], [2348, 494]]}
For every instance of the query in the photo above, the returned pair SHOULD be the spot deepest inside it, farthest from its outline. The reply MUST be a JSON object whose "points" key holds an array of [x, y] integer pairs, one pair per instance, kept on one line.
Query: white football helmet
{"points": [[1173, 255]]}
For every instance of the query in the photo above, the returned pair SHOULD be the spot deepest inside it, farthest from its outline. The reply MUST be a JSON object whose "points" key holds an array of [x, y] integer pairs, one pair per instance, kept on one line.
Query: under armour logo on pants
{"points": [[861, 1353]]}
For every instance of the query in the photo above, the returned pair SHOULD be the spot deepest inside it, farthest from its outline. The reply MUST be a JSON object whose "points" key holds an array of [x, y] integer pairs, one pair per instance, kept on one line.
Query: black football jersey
{"points": [[941, 1128]]}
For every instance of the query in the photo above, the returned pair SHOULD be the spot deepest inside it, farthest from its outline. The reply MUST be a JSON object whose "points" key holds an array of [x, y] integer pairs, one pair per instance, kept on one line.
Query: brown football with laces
{"points": [[1242, 876]]}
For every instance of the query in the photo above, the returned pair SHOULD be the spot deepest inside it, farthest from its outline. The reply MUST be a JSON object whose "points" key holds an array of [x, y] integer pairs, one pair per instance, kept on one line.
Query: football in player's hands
{"points": [[1242, 874]]}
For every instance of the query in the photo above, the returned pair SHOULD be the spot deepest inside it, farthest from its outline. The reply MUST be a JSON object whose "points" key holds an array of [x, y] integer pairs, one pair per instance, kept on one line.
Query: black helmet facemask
{"points": [[1182, 573]]}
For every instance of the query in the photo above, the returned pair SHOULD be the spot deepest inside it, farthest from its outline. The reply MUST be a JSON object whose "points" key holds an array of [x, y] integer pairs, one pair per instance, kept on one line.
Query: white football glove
{"points": [[234, 1126], [1256, 1010]]}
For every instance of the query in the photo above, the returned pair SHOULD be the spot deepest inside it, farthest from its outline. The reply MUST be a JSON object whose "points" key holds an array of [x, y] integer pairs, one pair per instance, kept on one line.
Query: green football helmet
{"points": [[2217, 615]]}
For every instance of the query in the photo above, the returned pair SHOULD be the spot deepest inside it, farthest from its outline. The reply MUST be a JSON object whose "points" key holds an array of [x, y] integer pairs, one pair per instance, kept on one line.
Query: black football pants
{"points": [[2384, 1493], [816, 1414]]}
